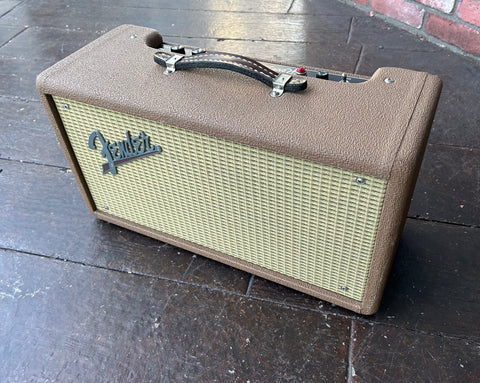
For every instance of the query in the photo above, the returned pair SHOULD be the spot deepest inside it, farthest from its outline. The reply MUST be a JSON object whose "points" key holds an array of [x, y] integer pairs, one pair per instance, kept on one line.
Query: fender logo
{"points": [[121, 152]]}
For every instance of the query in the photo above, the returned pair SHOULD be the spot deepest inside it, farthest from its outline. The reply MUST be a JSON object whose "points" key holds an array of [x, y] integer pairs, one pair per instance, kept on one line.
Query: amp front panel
{"points": [[313, 223]]}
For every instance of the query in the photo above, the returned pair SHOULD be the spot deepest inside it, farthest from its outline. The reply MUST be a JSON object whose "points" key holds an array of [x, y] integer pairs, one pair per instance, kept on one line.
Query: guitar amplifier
{"points": [[302, 176]]}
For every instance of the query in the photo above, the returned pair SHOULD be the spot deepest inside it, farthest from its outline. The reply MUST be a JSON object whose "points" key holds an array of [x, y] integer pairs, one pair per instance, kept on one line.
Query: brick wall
{"points": [[453, 23]]}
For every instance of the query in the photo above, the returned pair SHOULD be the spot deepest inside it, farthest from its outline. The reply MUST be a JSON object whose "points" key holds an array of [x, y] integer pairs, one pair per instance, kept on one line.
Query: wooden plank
{"points": [[260, 6], [434, 286], [390, 354], [457, 119], [8, 32], [448, 187], [324, 7], [7, 5], [374, 32], [17, 77], [67, 322], [213, 24], [27, 134], [46, 44]]}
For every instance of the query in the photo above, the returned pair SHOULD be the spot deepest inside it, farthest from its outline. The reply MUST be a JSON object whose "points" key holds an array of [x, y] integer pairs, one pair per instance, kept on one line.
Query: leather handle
{"points": [[236, 63]]}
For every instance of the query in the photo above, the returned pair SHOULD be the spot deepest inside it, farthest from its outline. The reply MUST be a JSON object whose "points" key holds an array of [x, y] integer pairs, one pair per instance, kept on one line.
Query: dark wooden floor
{"points": [[86, 301]]}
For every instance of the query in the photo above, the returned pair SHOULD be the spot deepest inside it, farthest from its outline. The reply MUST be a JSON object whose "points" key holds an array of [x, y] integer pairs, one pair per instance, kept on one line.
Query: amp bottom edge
{"points": [[315, 291]]}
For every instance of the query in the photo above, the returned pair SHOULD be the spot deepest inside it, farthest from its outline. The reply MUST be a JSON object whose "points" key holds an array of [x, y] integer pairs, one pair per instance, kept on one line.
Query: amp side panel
{"points": [[62, 137], [399, 191]]}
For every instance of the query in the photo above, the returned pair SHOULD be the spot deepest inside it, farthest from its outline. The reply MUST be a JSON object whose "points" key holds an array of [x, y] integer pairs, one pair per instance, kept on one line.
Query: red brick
{"points": [[442, 5], [462, 36], [407, 13], [469, 10], [363, 2]]}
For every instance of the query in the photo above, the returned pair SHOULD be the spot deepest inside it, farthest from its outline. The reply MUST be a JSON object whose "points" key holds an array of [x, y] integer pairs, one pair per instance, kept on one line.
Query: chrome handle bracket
{"points": [[170, 63], [279, 84]]}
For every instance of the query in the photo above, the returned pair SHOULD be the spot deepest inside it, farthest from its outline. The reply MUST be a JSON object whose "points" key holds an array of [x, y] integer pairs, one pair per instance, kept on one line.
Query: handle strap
{"points": [[244, 65]]}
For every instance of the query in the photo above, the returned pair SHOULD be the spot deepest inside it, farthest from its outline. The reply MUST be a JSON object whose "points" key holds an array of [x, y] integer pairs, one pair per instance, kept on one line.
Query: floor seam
{"points": [[359, 59], [351, 369], [290, 7], [14, 7], [189, 265], [469, 148], [415, 218], [349, 32], [62, 168], [249, 40], [250, 283], [15, 35], [16, 98]]}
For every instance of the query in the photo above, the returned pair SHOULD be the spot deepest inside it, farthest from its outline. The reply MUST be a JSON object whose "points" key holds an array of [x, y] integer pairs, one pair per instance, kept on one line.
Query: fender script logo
{"points": [[121, 152]]}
